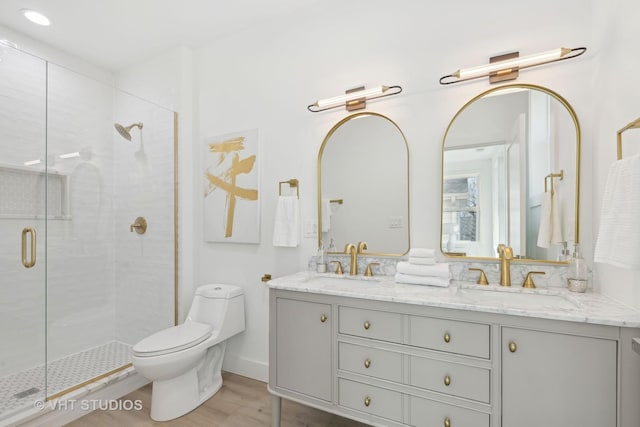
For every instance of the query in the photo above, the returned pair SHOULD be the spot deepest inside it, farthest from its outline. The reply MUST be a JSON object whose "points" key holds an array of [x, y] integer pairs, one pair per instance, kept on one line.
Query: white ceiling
{"points": [[116, 33]]}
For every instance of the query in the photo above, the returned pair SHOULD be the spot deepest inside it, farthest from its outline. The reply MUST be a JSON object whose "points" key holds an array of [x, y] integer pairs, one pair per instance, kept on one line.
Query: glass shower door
{"points": [[23, 189]]}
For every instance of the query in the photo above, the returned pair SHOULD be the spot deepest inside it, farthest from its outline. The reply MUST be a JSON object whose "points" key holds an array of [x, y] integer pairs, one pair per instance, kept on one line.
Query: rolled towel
{"points": [[421, 261], [421, 253], [421, 280], [440, 270]]}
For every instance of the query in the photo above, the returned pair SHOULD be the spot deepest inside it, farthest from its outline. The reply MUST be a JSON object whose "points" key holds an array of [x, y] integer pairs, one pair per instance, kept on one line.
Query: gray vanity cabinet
{"points": [[556, 379], [304, 349], [396, 364]]}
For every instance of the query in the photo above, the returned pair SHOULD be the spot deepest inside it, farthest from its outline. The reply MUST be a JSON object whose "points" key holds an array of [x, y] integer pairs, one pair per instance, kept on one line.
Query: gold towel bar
{"points": [[338, 201], [633, 125], [292, 183]]}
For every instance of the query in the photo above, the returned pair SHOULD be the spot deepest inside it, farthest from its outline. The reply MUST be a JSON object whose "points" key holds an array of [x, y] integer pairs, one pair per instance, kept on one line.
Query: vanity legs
{"points": [[276, 409]]}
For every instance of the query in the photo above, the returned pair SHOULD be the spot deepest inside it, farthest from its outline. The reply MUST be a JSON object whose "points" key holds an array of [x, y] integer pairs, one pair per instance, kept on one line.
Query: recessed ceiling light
{"points": [[36, 17]]}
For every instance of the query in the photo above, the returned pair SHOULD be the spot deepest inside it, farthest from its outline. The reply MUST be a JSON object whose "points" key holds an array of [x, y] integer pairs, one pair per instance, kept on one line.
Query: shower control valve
{"points": [[140, 225]]}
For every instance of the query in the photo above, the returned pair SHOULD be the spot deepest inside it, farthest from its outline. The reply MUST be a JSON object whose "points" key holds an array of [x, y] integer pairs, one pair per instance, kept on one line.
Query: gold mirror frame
{"points": [[574, 117], [319, 178]]}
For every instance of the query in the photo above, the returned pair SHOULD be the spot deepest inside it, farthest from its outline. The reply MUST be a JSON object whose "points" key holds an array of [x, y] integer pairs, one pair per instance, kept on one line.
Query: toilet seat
{"points": [[173, 339]]}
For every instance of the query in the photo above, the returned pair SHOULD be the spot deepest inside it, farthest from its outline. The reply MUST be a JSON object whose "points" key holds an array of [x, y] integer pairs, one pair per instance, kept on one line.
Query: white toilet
{"points": [[185, 361]]}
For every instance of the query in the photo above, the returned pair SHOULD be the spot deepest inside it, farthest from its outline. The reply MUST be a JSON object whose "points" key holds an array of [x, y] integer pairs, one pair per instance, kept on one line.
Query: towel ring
{"points": [[292, 183], [633, 125]]}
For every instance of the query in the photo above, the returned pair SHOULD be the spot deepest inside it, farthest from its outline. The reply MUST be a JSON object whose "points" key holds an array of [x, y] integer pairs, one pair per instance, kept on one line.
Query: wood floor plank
{"points": [[241, 402]]}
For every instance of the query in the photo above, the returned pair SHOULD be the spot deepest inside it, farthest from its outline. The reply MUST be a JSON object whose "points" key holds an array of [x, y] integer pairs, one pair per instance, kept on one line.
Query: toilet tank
{"points": [[221, 306]]}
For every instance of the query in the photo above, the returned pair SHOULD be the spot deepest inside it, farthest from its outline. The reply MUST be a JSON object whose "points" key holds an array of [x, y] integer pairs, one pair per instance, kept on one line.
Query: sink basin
{"points": [[516, 299], [335, 280]]}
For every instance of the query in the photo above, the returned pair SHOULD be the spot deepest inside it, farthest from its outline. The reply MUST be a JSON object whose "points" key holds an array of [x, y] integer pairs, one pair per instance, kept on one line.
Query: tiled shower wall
{"points": [[103, 283]]}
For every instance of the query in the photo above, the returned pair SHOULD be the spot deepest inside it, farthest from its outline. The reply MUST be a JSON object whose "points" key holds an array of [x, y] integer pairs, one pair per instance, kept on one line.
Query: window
{"points": [[460, 208]]}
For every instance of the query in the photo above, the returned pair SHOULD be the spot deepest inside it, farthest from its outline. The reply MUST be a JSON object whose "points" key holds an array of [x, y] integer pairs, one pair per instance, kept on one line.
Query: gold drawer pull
{"points": [[447, 338], [367, 363], [513, 347], [367, 325], [447, 422], [367, 401], [323, 318], [447, 380]]}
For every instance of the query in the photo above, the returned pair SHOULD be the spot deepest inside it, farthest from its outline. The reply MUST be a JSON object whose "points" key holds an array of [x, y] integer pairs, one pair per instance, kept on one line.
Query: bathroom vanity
{"points": [[390, 354]]}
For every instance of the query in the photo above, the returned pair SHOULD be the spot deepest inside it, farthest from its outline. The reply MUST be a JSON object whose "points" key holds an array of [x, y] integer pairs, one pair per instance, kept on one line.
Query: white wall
{"points": [[266, 77], [615, 83]]}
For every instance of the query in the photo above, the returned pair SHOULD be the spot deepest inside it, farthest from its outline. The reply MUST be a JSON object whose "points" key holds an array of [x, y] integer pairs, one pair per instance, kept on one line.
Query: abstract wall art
{"points": [[231, 188]]}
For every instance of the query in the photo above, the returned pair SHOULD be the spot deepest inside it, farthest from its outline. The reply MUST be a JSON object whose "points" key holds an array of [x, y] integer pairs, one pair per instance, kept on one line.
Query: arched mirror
{"points": [[510, 174], [363, 185]]}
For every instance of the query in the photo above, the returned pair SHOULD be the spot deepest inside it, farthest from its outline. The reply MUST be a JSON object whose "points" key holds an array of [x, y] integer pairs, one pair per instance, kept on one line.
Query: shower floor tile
{"points": [[20, 390]]}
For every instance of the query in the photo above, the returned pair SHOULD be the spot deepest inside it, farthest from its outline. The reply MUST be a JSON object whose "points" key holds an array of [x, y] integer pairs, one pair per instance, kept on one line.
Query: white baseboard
{"points": [[246, 367]]}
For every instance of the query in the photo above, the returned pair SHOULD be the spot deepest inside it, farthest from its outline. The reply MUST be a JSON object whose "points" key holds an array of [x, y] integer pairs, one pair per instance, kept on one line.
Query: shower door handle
{"points": [[28, 263]]}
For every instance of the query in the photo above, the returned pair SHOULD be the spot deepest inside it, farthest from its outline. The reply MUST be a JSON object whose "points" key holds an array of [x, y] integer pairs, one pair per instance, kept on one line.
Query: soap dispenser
{"points": [[578, 272], [321, 259]]}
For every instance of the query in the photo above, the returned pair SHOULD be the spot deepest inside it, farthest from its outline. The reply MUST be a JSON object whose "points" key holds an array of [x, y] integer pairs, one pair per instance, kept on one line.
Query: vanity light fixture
{"points": [[36, 17], [354, 99], [506, 67]]}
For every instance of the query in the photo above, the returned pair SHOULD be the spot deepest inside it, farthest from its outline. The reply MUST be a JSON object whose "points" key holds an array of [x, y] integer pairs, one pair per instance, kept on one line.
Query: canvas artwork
{"points": [[231, 192]]}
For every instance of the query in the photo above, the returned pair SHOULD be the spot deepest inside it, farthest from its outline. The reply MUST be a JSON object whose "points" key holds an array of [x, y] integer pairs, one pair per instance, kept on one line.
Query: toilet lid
{"points": [[173, 339]]}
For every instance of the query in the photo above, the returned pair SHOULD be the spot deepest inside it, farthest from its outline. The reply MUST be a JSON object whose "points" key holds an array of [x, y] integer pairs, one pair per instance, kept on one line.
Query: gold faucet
{"points": [[351, 250], [362, 246], [506, 255]]}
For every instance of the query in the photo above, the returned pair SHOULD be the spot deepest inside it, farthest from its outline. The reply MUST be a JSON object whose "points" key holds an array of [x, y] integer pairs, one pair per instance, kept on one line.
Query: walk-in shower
{"points": [[73, 314]]}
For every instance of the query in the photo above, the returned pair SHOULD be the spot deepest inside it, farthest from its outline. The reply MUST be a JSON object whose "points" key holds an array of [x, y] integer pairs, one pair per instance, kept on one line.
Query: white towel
{"points": [[440, 270], [326, 215], [421, 261], [421, 280], [618, 242], [550, 227], [557, 234], [421, 253], [286, 231]]}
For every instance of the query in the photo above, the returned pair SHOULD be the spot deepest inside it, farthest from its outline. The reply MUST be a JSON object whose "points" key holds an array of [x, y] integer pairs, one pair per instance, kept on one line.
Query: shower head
{"points": [[125, 131]]}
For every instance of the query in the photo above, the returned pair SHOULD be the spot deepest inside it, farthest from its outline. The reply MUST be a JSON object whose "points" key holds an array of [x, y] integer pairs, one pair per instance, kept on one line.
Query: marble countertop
{"points": [[545, 303]]}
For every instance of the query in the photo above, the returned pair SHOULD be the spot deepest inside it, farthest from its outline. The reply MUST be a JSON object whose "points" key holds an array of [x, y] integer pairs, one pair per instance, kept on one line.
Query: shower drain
{"points": [[26, 393]]}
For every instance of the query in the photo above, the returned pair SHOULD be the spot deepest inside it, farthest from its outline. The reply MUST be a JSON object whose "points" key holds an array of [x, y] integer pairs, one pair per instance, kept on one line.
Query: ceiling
{"points": [[116, 33]]}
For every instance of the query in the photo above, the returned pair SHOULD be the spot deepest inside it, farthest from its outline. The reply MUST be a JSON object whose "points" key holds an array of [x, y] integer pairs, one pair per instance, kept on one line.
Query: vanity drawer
{"points": [[370, 399], [428, 413], [469, 382], [470, 339], [379, 325], [373, 362]]}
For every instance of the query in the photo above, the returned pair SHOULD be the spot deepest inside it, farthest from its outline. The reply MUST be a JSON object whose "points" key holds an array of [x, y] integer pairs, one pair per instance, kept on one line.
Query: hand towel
{"points": [[557, 234], [326, 215], [440, 270], [421, 261], [545, 226], [421, 280], [618, 242], [421, 253], [286, 231]]}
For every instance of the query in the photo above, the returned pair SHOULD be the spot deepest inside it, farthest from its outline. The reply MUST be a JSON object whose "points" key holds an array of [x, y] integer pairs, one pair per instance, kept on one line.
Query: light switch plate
{"points": [[310, 228], [636, 345]]}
